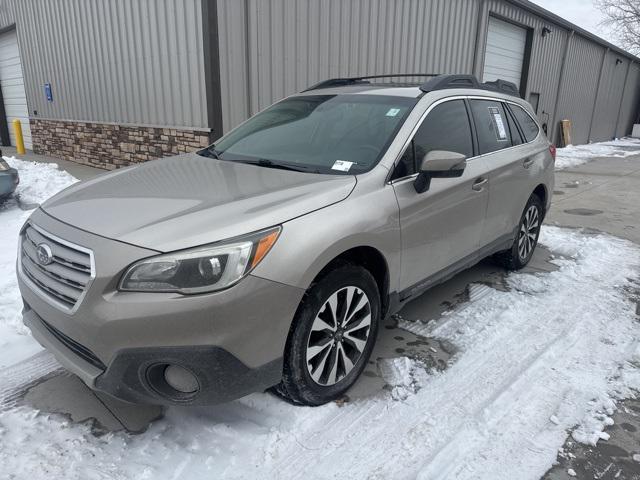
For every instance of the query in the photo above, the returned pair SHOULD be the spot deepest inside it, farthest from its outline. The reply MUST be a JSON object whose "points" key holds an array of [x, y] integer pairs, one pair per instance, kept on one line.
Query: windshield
{"points": [[339, 134]]}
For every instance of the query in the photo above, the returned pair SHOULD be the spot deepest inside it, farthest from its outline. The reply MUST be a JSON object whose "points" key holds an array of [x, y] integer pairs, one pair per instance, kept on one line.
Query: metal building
{"points": [[113, 82]]}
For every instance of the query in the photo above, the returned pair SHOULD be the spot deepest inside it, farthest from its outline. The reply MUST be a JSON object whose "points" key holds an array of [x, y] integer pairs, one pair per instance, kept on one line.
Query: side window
{"points": [[491, 124], [445, 128], [528, 125], [407, 164], [516, 139]]}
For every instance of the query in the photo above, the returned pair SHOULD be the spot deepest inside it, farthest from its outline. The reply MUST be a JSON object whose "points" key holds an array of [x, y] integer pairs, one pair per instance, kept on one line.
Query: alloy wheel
{"points": [[528, 232], [338, 336]]}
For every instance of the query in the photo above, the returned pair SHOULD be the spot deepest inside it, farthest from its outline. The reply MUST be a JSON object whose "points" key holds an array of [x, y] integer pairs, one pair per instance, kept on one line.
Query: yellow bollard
{"points": [[17, 129]]}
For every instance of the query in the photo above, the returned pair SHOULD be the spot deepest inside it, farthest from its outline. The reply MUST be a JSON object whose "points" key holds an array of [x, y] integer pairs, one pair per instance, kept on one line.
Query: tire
{"points": [[526, 241], [323, 359]]}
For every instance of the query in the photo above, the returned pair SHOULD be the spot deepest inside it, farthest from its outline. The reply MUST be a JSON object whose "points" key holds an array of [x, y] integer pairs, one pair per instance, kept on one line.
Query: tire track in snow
{"points": [[454, 394], [551, 335], [15, 379], [476, 292]]}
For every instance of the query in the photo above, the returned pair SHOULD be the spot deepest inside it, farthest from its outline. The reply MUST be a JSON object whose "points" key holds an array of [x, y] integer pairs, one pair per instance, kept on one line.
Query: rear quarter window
{"points": [[527, 124]]}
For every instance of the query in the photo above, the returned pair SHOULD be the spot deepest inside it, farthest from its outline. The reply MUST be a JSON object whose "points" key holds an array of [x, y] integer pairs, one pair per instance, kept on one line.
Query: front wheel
{"points": [[332, 337], [520, 253]]}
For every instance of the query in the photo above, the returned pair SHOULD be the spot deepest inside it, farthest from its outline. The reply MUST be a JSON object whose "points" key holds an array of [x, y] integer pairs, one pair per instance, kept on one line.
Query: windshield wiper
{"points": [[264, 162], [210, 152]]}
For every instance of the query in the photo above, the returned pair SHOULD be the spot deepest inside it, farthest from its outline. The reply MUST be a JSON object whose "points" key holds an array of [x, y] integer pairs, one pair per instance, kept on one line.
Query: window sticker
{"points": [[393, 112], [498, 123], [342, 165]]}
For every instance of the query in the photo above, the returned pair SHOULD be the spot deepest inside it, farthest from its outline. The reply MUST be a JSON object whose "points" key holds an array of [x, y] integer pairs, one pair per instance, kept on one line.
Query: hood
{"points": [[190, 200]]}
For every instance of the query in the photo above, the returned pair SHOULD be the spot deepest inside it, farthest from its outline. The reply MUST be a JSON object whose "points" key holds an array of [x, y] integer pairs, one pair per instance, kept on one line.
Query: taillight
{"points": [[553, 151]]}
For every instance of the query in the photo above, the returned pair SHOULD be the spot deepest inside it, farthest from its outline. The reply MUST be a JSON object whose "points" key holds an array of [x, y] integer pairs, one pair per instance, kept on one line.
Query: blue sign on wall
{"points": [[48, 93]]}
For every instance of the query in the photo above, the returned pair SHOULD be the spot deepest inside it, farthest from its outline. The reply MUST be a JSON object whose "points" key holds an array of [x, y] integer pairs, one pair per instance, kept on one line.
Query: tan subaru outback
{"points": [[269, 259]]}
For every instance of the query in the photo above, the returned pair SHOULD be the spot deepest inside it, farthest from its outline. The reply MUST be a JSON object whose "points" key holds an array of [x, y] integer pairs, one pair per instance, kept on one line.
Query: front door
{"points": [[441, 226]]}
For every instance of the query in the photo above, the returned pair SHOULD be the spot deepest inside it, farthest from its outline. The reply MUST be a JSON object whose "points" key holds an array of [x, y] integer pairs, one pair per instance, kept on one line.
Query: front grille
{"points": [[83, 352], [65, 277]]}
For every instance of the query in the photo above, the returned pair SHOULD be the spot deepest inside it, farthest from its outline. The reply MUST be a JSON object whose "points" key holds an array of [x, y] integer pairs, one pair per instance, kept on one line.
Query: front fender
{"points": [[309, 243]]}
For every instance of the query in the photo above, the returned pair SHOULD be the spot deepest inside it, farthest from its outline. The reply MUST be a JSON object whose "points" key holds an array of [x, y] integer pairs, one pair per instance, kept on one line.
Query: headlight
{"points": [[203, 269], [3, 166]]}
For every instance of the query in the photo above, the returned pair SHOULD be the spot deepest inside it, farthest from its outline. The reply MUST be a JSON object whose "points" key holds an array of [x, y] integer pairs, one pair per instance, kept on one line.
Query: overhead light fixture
{"points": [[546, 31], [618, 61]]}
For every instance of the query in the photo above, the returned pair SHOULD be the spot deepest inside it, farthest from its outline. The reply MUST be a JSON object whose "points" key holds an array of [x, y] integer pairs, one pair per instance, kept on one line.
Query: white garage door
{"points": [[12, 83], [504, 57]]}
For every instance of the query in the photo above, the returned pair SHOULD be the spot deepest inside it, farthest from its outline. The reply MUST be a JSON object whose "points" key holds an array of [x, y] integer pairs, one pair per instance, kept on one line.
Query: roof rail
{"points": [[343, 82], [435, 82], [444, 82], [503, 86]]}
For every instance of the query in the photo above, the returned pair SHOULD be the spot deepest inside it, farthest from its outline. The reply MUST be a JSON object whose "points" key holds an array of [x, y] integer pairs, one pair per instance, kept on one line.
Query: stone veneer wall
{"points": [[111, 146]]}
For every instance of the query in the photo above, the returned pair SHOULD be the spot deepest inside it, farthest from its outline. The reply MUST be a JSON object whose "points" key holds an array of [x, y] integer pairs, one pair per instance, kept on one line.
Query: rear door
{"points": [[508, 159], [442, 225]]}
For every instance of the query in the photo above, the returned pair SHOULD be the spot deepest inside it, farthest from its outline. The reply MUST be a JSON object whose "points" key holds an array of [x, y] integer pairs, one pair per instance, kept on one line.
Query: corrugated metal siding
{"points": [[546, 55], [610, 94], [123, 61], [291, 44], [272, 48], [234, 73], [630, 102], [580, 83], [579, 88]]}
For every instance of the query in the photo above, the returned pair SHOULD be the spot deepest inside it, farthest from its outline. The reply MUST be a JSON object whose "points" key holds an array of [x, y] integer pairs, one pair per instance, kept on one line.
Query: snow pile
{"points": [[403, 375], [37, 183], [572, 156]]}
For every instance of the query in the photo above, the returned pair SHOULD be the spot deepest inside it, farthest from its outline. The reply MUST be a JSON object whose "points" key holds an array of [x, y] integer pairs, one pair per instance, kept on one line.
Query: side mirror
{"points": [[439, 164]]}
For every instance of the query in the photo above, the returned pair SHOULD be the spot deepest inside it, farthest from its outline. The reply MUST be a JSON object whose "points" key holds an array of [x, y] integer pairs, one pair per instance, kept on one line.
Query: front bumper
{"points": [[221, 377], [232, 341], [9, 180]]}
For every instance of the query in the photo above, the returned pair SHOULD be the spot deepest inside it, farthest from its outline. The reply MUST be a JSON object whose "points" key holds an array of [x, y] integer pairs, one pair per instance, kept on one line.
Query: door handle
{"points": [[528, 162], [479, 184]]}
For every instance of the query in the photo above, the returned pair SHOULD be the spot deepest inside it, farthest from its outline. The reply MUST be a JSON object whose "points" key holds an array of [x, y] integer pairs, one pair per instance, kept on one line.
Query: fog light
{"points": [[181, 379]]}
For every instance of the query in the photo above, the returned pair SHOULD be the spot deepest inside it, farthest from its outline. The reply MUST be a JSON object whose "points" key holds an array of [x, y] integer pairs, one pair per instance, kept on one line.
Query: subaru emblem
{"points": [[45, 255]]}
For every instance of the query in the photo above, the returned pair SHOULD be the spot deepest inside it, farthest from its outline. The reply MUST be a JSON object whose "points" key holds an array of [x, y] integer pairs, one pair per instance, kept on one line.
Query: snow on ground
{"points": [[37, 183], [548, 358], [572, 156]]}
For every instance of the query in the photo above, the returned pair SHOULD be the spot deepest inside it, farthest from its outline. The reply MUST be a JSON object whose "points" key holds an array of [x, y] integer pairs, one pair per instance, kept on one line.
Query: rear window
{"points": [[528, 125], [491, 125]]}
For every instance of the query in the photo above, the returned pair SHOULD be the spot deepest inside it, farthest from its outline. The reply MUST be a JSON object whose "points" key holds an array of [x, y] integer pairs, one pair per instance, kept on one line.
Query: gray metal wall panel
{"points": [[291, 44], [580, 84], [610, 94], [546, 54], [630, 102], [122, 61], [234, 63], [272, 48]]}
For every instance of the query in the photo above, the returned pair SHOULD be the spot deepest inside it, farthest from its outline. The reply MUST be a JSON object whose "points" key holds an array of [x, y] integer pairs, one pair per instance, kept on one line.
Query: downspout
{"points": [[212, 68], [560, 85], [478, 55], [624, 89], [247, 57], [595, 101]]}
